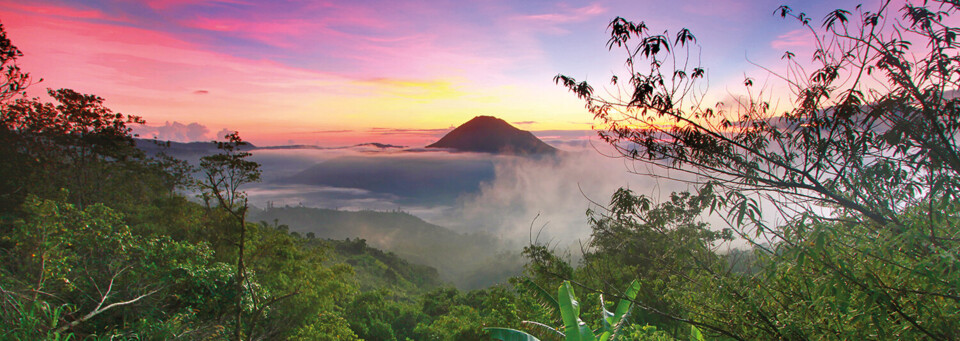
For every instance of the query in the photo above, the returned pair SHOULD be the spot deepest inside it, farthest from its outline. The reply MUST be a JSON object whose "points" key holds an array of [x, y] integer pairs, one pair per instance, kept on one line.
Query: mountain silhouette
{"points": [[488, 134]]}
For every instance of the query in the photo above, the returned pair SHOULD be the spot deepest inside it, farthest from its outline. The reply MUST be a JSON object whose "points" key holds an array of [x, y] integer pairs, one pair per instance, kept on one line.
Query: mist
{"points": [[545, 200], [525, 197], [491, 205]]}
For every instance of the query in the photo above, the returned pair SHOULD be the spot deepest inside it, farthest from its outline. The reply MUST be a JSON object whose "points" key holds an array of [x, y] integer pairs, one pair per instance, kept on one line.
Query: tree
{"points": [[868, 149], [222, 176], [76, 143], [89, 265], [12, 80], [843, 130]]}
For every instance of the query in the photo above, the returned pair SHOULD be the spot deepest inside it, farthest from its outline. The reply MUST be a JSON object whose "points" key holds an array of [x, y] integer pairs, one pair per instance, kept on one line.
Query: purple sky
{"points": [[331, 72]]}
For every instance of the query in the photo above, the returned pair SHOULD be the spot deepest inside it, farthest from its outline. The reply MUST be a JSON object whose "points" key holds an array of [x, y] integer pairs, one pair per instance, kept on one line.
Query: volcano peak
{"points": [[488, 134]]}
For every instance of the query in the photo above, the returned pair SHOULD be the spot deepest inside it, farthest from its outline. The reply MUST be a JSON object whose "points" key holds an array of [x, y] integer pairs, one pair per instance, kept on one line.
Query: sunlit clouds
{"points": [[277, 70]]}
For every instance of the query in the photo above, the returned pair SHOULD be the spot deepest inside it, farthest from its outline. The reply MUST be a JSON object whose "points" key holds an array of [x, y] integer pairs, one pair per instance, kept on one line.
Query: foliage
{"points": [[378, 269], [862, 170], [96, 240], [224, 173], [467, 260], [89, 265], [76, 144], [12, 80], [574, 329], [326, 327], [222, 176]]}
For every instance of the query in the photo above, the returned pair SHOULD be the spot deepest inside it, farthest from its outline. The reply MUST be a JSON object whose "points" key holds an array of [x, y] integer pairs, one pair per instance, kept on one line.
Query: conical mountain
{"points": [[488, 134]]}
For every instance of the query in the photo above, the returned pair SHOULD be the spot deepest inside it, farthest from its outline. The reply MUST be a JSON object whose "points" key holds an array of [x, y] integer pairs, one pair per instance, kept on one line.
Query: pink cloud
{"points": [[58, 11], [796, 39], [567, 14], [342, 30], [168, 4], [290, 27], [280, 33], [419, 61], [156, 75]]}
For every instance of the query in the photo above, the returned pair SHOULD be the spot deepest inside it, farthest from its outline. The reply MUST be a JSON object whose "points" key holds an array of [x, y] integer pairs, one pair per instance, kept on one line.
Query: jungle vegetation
{"points": [[846, 203]]}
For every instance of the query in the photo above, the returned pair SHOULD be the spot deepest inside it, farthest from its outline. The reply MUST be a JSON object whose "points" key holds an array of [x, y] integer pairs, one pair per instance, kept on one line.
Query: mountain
{"points": [[488, 134]]}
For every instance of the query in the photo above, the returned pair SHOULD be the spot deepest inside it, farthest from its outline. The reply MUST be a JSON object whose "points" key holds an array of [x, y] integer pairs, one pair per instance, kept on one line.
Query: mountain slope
{"points": [[488, 134], [470, 261]]}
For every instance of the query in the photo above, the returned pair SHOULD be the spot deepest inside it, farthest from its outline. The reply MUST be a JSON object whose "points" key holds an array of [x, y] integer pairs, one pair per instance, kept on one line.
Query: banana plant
{"points": [[575, 329]]}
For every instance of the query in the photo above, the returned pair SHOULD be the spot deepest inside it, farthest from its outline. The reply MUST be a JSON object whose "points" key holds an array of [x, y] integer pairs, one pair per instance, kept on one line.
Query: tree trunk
{"points": [[240, 273]]}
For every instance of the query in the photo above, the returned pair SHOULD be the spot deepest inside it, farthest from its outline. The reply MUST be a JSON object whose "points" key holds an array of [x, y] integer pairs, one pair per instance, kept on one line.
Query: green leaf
{"points": [[576, 330], [507, 334], [612, 322], [543, 329], [618, 328], [542, 296], [608, 319], [695, 334], [624, 306]]}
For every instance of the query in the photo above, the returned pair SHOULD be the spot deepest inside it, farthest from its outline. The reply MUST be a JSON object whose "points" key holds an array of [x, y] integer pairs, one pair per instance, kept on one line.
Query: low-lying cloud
{"points": [[176, 131], [552, 194]]}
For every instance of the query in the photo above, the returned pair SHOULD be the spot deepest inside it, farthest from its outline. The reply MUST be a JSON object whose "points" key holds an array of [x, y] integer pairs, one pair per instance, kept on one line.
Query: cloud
{"points": [[717, 8], [201, 92], [796, 39], [567, 14], [418, 89], [175, 131], [279, 33], [521, 196], [418, 132], [524, 122], [339, 131], [163, 5], [222, 133], [58, 11], [551, 192]]}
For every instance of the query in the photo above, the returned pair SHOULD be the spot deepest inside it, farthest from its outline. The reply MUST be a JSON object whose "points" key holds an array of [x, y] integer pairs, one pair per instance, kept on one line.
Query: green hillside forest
{"points": [[842, 216]]}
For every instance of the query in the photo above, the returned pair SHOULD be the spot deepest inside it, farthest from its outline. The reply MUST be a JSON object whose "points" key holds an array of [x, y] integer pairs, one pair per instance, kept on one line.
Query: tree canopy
{"points": [[861, 169]]}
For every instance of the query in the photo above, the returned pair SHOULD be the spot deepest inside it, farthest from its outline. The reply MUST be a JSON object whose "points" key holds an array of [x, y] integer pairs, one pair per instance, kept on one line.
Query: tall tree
{"points": [[222, 176]]}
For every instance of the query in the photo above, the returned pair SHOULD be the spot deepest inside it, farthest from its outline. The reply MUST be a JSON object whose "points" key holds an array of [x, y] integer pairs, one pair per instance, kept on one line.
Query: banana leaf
{"points": [[507, 334], [575, 329]]}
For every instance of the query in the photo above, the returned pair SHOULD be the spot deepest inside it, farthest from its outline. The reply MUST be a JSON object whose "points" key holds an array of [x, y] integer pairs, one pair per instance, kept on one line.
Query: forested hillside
{"points": [[470, 261], [846, 205], [99, 241]]}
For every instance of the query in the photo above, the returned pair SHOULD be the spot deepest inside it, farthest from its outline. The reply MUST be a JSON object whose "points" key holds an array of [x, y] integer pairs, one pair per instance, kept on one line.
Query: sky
{"points": [[340, 72]]}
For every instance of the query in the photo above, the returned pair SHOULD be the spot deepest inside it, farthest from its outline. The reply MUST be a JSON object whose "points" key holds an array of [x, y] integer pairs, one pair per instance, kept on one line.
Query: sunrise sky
{"points": [[338, 72]]}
